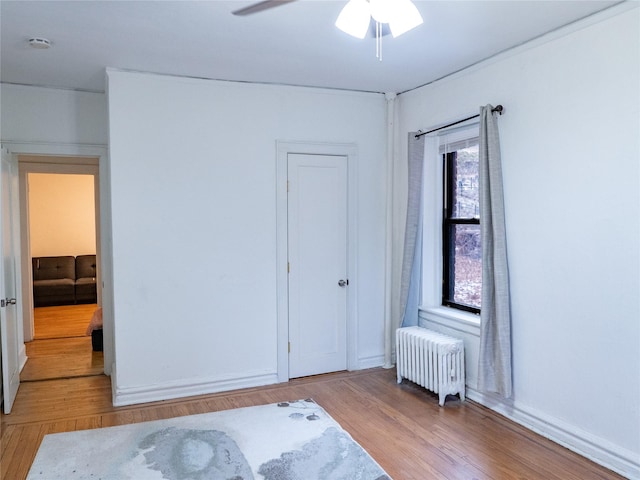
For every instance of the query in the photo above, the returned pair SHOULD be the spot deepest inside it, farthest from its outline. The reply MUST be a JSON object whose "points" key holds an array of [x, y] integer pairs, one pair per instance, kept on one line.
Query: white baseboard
{"points": [[594, 448], [370, 362], [170, 390], [113, 383]]}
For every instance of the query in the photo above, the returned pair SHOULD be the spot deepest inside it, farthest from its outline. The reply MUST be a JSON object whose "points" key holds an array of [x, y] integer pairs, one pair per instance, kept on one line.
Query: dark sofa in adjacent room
{"points": [[64, 280], [86, 279]]}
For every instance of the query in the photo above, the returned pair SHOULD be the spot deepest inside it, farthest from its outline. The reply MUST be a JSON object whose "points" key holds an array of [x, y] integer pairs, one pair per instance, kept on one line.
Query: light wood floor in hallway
{"points": [[60, 348], [401, 426]]}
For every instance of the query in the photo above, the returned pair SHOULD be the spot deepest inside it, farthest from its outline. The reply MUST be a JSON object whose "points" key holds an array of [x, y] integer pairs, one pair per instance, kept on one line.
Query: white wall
{"points": [[193, 176], [62, 215], [46, 115], [571, 150]]}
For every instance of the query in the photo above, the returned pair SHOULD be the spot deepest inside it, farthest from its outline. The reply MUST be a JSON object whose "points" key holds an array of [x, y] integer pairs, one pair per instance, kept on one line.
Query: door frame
{"points": [[283, 149], [103, 228]]}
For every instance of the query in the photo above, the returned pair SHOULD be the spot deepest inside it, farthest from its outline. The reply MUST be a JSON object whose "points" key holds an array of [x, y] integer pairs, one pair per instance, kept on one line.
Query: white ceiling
{"points": [[294, 44]]}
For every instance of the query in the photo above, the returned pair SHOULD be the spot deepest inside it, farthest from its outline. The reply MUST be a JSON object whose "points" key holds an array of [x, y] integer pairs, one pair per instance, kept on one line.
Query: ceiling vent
{"points": [[39, 43]]}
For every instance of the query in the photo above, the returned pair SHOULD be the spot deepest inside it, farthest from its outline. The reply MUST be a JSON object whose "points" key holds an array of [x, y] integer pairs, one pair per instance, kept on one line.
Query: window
{"points": [[461, 243], [451, 251]]}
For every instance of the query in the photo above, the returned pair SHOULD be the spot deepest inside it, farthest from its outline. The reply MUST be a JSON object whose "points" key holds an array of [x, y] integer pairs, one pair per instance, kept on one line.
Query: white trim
{"points": [[451, 318], [113, 383], [25, 258], [53, 149], [373, 361], [283, 149], [103, 217], [189, 388], [61, 165], [594, 448]]}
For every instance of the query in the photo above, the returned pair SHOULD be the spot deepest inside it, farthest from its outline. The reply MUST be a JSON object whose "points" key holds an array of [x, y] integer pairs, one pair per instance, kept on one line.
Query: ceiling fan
{"points": [[357, 16], [268, 4], [260, 6]]}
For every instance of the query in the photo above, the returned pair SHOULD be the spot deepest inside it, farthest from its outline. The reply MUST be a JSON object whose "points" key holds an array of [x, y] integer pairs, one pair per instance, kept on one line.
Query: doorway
{"points": [[59, 219], [316, 258]]}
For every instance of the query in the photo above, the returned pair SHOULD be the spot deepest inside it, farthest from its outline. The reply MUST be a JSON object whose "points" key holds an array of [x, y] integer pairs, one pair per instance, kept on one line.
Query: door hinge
{"points": [[289, 347], [287, 185], [5, 302], [288, 267]]}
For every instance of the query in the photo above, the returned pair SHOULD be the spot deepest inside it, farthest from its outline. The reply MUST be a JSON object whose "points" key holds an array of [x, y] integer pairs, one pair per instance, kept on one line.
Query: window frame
{"points": [[448, 222], [432, 312]]}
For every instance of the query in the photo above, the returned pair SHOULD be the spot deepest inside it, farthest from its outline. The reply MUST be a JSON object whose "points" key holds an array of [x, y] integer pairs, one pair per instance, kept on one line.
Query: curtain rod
{"points": [[498, 109]]}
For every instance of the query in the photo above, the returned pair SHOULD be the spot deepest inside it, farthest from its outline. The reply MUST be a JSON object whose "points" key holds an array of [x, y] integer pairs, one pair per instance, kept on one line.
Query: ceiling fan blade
{"points": [[260, 6]]}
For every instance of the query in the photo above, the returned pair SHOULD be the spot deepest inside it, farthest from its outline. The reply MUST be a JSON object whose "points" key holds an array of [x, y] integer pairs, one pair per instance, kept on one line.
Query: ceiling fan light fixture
{"points": [[405, 17], [354, 18], [382, 11]]}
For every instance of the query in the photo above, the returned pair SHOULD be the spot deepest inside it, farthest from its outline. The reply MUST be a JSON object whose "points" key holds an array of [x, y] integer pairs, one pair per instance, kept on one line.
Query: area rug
{"points": [[295, 440]]}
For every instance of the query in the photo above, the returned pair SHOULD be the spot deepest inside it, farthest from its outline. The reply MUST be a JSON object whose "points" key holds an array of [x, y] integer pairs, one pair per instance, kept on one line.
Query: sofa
{"points": [[64, 280], [86, 279]]}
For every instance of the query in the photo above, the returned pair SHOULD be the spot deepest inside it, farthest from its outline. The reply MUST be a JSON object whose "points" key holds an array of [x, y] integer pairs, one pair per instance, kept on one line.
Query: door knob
{"points": [[343, 283]]}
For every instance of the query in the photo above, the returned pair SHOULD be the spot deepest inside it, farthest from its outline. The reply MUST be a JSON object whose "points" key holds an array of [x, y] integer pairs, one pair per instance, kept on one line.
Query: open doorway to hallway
{"points": [[60, 218]]}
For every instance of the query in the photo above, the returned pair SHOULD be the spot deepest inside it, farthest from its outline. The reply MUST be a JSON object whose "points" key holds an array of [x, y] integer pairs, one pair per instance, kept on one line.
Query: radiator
{"points": [[432, 360]]}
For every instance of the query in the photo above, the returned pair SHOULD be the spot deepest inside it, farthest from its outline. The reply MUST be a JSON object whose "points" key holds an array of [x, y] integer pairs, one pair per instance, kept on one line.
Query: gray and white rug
{"points": [[285, 441]]}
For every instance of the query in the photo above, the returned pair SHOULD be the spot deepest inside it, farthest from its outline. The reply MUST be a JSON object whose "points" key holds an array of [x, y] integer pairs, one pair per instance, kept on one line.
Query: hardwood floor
{"points": [[61, 358], [401, 426], [62, 321], [61, 349]]}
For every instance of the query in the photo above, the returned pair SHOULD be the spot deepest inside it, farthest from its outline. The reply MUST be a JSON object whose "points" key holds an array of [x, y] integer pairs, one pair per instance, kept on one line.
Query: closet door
{"points": [[317, 246]]}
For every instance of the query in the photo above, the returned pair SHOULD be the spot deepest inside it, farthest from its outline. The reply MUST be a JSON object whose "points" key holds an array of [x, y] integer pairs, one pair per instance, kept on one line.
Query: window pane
{"points": [[466, 194], [467, 274]]}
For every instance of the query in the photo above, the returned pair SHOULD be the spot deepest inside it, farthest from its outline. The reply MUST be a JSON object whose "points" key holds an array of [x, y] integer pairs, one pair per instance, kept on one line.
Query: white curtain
{"points": [[412, 254], [494, 373]]}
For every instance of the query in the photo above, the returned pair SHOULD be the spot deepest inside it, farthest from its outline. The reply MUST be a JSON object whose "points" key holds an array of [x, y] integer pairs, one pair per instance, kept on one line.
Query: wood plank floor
{"points": [[61, 358], [62, 321], [61, 349], [401, 426]]}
